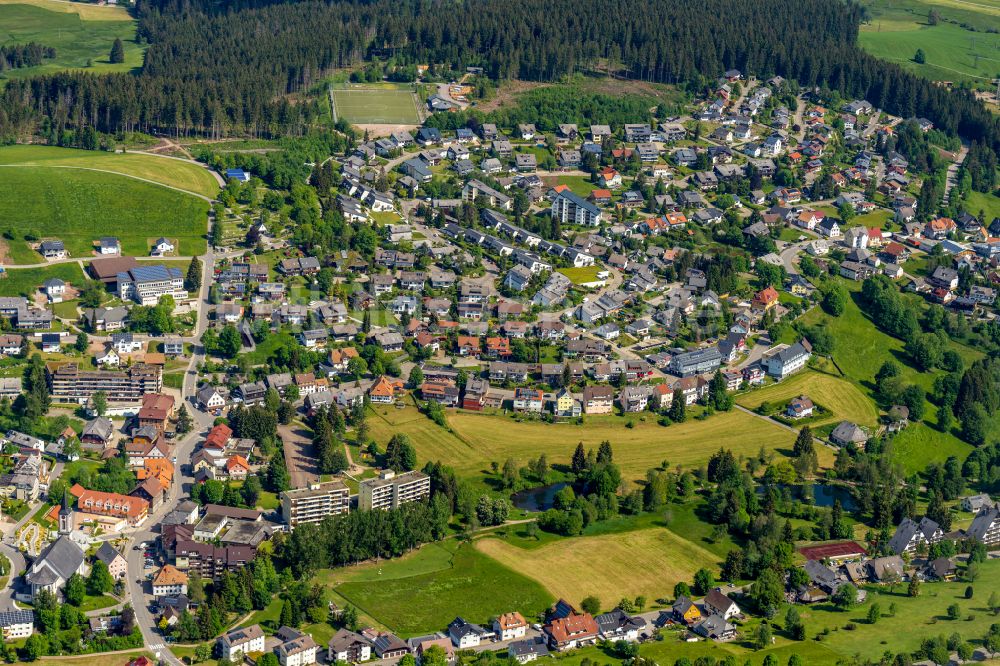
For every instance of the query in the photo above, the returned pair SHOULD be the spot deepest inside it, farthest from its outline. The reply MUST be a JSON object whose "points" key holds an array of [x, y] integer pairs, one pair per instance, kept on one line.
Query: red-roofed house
{"points": [[569, 632], [765, 299], [218, 436], [237, 467]]}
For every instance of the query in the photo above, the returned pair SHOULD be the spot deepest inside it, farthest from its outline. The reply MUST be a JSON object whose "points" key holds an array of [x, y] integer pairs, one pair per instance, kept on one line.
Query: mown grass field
{"points": [[369, 105], [476, 440], [899, 27], [78, 207], [644, 562], [79, 32], [467, 583], [843, 399], [26, 281], [174, 173]]}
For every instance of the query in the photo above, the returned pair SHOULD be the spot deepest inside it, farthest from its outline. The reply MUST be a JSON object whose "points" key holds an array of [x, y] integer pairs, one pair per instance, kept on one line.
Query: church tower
{"points": [[65, 516]]}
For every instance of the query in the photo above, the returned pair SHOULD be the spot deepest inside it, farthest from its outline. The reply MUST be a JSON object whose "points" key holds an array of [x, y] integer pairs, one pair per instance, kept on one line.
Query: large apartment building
{"points": [[570, 208], [313, 504], [69, 383], [209, 560], [146, 284], [389, 490]]}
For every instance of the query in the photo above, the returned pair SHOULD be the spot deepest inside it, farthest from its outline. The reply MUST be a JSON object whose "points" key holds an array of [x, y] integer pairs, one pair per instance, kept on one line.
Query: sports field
{"points": [[79, 32], [843, 399], [78, 207], [476, 440], [376, 106], [643, 562]]}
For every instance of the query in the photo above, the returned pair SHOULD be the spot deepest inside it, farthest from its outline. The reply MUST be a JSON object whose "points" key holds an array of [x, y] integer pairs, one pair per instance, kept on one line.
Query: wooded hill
{"points": [[226, 68]]}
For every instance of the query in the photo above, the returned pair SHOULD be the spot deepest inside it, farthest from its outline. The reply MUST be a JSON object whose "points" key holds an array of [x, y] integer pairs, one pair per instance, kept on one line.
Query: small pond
{"points": [[537, 499], [822, 495]]}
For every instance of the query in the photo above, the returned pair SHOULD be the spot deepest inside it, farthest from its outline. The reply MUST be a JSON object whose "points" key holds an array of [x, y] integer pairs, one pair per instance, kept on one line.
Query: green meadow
{"points": [[78, 207], [79, 35]]}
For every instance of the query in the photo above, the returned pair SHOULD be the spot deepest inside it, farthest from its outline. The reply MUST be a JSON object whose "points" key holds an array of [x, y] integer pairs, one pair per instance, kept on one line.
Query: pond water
{"points": [[537, 499], [823, 495]]}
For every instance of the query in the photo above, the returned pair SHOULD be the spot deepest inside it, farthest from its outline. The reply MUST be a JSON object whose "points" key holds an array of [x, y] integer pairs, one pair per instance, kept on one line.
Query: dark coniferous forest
{"points": [[239, 67]]}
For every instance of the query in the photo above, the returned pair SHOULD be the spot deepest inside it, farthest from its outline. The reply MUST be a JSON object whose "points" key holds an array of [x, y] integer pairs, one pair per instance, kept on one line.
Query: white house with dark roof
{"points": [[238, 642], [910, 535]]}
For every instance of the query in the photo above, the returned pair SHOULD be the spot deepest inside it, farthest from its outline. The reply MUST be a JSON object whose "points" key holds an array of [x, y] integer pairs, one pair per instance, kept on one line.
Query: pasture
{"points": [[643, 562], [860, 349], [842, 398], [173, 173], [79, 32], [423, 593], [953, 53], [475, 440], [363, 105], [80, 206]]}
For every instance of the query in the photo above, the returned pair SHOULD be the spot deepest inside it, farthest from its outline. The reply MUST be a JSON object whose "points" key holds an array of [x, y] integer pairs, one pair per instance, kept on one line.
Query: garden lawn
{"points": [[581, 275], [475, 440], [175, 173], [473, 586], [26, 281], [96, 603], [78, 207], [843, 399], [643, 562], [79, 32], [579, 184]]}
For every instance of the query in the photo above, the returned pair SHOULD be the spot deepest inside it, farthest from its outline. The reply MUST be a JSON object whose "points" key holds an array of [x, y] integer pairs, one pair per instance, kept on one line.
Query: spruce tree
{"points": [[192, 282], [117, 55]]}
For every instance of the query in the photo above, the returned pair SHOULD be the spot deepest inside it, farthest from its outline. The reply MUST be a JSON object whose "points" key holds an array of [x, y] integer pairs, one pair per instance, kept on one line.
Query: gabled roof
{"points": [[107, 553]]}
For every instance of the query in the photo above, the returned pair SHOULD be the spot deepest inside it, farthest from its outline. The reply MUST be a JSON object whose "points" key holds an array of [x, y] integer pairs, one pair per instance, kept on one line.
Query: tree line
{"points": [[32, 54]]}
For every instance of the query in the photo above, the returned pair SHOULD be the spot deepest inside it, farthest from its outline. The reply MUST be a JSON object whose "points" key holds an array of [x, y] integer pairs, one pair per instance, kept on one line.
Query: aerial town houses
{"points": [[597, 312]]}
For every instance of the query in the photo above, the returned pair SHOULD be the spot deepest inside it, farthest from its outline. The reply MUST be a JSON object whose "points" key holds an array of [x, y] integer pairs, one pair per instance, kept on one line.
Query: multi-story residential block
{"points": [[696, 362], [210, 561], [69, 383], [986, 526], [313, 504], [570, 208], [238, 642], [389, 490]]}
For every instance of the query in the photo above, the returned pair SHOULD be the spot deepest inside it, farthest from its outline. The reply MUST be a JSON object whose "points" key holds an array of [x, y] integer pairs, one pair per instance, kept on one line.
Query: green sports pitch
{"points": [[366, 106]]}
